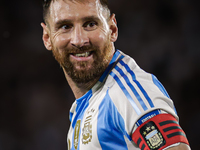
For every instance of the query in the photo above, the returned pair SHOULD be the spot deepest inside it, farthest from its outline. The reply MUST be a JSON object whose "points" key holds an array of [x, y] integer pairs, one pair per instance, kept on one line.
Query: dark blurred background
{"points": [[163, 36]]}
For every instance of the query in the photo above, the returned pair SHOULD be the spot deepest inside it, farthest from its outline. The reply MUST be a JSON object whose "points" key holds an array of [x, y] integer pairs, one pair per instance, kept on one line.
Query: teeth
{"points": [[86, 54]]}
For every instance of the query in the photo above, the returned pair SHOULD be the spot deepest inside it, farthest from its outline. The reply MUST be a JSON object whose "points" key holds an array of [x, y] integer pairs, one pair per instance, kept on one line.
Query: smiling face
{"points": [[80, 35]]}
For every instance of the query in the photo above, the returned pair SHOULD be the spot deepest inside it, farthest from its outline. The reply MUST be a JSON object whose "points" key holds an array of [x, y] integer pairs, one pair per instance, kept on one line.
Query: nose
{"points": [[79, 37]]}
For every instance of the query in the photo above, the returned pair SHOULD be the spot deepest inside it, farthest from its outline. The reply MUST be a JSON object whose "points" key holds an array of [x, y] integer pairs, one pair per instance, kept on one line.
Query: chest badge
{"points": [[87, 129]]}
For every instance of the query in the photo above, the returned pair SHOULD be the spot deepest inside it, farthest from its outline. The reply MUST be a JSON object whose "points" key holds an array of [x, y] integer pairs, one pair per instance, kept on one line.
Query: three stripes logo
{"points": [[171, 128]]}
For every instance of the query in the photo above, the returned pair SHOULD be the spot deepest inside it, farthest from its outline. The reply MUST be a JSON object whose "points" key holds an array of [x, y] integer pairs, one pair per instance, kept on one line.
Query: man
{"points": [[118, 106]]}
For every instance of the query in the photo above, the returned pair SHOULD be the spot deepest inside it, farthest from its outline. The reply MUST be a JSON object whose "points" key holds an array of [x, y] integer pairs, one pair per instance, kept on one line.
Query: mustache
{"points": [[81, 49]]}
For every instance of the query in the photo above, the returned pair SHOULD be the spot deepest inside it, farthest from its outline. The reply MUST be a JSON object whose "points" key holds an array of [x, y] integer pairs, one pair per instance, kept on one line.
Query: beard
{"points": [[87, 71]]}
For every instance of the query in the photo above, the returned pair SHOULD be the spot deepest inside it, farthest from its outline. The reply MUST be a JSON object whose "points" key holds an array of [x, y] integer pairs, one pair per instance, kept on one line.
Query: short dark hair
{"points": [[46, 5]]}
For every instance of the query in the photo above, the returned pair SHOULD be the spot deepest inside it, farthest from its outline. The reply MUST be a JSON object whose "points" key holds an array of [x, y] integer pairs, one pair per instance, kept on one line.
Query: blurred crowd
{"points": [[163, 36]]}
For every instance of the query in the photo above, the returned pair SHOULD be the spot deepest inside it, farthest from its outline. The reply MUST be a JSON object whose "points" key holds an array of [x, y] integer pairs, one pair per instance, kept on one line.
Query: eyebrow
{"points": [[67, 21], [62, 22]]}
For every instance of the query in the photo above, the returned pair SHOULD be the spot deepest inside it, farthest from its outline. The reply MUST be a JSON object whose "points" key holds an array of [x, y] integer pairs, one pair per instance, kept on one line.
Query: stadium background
{"points": [[163, 36]]}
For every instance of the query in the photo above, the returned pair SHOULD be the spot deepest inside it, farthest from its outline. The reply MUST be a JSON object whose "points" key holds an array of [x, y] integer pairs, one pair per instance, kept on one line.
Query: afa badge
{"points": [[87, 131], [152, 136]]}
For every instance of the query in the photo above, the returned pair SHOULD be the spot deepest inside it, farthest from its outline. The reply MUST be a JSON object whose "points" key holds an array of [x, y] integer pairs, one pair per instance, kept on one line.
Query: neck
{"points": [[79, 89]]}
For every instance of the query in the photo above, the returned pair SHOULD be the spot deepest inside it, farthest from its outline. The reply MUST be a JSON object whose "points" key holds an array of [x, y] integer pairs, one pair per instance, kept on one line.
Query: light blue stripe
{"points": [[137, 110], [138, 84], [151, 134], [70, 116], [115, 56], [132, 88], [111, 126], [82, 104], [159, 85]]}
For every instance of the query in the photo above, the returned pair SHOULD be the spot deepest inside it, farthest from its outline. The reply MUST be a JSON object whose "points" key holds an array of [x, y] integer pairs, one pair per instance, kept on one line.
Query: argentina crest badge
{"points": [[87, 129], [152, 136]]}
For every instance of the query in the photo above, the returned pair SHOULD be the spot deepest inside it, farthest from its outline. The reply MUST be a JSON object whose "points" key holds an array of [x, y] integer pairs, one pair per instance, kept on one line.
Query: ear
{"points": [[113, 28], [46, 37]]}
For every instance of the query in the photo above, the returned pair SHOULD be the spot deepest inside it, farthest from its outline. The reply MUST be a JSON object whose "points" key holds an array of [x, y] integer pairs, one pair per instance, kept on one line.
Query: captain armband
{"points": [[158, 133]]}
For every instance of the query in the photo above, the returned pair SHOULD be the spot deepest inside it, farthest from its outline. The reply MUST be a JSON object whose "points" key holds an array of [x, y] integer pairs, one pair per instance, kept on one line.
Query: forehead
{"points": [[74, 9]]}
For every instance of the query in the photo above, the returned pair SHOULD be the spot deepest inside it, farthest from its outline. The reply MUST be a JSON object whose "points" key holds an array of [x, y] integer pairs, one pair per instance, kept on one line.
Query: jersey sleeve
{"points": [[143, 103]]}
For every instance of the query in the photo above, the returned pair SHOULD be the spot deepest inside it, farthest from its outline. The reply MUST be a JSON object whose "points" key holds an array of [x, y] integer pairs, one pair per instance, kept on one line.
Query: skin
{"points": [[182, 146], [75, 24]]}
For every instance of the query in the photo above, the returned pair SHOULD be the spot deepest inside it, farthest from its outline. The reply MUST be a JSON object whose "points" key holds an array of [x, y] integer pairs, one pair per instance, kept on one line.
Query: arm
{"points": [[161, 132], [181, 146]]}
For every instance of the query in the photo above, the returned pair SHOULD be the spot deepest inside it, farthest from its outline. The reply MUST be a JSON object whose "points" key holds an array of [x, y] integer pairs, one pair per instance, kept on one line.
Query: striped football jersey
{"points": [[107, 116]]}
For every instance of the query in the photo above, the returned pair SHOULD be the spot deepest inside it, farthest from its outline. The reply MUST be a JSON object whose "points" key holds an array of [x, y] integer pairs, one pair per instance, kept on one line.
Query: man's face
{"points": [[81, 38]]}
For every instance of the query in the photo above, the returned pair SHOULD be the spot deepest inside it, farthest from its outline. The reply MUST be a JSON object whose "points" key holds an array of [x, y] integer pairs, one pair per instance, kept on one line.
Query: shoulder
{"points": [[135, 92], [128, 83]]}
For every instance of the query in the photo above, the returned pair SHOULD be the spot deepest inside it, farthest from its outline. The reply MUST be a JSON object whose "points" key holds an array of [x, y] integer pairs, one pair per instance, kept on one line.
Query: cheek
{"points": [[61, 41], [100, 38]]}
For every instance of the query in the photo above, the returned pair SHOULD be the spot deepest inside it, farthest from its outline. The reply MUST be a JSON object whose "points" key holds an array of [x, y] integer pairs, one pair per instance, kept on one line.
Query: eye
{"points": [[90, 25], [66, 27]]}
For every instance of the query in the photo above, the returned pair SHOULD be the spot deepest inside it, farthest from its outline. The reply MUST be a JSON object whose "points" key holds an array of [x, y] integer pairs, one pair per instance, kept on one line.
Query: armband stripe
{"points": [[139, 141], [175, 134], [167, 122], [171, 128], [143, 147]]}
